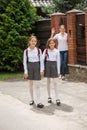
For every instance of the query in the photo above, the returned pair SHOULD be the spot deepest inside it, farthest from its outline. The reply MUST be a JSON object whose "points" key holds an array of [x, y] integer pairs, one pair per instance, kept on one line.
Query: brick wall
{"points": [[56, 20]]}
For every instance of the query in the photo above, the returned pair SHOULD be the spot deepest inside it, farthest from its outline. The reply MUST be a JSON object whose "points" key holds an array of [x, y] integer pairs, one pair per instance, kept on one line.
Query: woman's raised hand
{"points": [[53, 31]]}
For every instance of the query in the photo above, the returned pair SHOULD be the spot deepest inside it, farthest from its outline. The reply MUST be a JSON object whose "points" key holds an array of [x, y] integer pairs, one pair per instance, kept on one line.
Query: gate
{"points": [[80, 38], [43, 32]]}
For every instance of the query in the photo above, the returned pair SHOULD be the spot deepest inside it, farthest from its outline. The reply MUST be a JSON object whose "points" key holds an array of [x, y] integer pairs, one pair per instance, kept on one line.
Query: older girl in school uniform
{"points": [[33, 69], [51, 68]]}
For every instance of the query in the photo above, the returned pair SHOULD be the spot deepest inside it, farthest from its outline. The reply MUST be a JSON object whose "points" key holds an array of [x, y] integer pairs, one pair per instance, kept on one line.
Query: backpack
{"points": [[27, 53]]}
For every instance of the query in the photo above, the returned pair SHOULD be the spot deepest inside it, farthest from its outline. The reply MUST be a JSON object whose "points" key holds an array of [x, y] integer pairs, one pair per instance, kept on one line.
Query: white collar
{"points": [[31, 49]]}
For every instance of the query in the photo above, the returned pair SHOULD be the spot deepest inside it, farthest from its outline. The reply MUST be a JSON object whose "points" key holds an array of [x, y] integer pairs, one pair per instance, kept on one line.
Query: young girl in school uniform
{"points": [[33, 69], [51, 68]]}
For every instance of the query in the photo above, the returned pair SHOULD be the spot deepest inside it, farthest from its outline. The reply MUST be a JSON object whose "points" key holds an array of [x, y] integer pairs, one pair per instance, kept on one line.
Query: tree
{"points": [[64, 5], [81, 5], [17, 18]]}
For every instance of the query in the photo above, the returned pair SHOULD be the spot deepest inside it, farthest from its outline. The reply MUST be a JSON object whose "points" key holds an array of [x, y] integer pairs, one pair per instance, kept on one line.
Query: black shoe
{"points": [[58, 102], [31, 102], [40, 105], [49, 100]]}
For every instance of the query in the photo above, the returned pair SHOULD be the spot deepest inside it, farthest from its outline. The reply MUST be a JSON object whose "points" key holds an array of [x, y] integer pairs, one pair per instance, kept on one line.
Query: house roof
{"points": [[38, 3]]}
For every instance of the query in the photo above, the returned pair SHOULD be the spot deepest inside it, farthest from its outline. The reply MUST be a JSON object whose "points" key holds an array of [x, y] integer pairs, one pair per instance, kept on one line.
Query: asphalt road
{"points": [[17, 114]]}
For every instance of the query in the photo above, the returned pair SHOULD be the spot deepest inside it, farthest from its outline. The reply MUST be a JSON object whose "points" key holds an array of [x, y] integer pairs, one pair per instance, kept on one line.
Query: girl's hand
{"points": [[25, 76], [42, 74], [59, 76]]}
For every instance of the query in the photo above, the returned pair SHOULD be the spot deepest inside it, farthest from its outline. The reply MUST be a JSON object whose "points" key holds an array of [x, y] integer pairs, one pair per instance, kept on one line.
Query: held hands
{"points": [[42, 74], [25, 76], [59, 76]]}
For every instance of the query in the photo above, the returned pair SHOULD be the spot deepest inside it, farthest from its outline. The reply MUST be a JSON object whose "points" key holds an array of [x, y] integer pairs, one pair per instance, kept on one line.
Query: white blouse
{"points": [[32, 57], [53, 55], [62, 41]]}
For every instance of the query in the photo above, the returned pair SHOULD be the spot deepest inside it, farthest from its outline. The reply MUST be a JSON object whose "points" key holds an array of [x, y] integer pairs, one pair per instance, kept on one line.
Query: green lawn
{"points": [[7, 76]]}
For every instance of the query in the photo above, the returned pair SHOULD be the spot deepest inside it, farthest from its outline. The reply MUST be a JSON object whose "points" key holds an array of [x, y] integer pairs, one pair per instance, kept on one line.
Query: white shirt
{"points": [[32, 57], [62, 41], [53, 55]]}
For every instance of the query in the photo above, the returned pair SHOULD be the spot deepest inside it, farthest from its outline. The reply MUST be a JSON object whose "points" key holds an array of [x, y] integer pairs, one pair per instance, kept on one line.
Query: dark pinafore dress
{"points": [[50, 68]]}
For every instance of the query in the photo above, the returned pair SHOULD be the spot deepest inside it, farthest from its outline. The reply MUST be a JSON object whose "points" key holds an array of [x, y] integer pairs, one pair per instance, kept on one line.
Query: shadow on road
{"points": [[50, 110]]}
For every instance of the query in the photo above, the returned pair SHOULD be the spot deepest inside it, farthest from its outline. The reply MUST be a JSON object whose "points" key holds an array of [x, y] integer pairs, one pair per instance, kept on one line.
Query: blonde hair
{"points": [[31, 38]]}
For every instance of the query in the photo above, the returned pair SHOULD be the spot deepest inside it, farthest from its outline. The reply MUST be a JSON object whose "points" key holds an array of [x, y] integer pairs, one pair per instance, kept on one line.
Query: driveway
{"points": [[17, 114]]}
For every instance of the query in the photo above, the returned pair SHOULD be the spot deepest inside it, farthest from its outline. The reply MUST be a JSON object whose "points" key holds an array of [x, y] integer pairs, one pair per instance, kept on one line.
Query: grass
{"points": [[7, 76]]}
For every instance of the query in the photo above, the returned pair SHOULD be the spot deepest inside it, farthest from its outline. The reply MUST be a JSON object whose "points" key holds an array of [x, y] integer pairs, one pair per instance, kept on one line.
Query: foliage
{"points": [[17, 18], [49, 9], [81, 5], [64, 5]]}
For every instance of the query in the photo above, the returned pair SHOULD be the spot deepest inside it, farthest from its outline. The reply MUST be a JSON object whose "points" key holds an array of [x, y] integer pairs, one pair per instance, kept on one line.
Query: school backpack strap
{"points": [[46, 54], [38, 53]]}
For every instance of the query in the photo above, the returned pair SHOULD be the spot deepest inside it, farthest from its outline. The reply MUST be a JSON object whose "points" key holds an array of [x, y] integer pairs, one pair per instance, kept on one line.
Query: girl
{"points": [[33, 68], [51, 67], [62, 39]]}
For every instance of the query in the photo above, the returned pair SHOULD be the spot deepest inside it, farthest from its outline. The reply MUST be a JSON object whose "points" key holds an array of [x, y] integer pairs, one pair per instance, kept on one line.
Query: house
{"points": [[39, 3]]}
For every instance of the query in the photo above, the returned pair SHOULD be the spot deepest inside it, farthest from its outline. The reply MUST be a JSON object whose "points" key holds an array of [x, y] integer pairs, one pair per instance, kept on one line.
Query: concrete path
{"points": [[16, 114]]}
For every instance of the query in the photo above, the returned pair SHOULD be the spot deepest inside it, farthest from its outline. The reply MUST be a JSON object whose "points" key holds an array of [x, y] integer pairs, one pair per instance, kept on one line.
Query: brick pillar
{"points": [[56, 20], [71, 30], [85, 10]]}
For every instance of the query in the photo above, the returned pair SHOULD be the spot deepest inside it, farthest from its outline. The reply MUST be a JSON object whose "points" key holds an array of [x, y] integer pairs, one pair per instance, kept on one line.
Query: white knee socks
{"points": [[48, 86], [55, 87], [31, 89], [37, 90]]}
